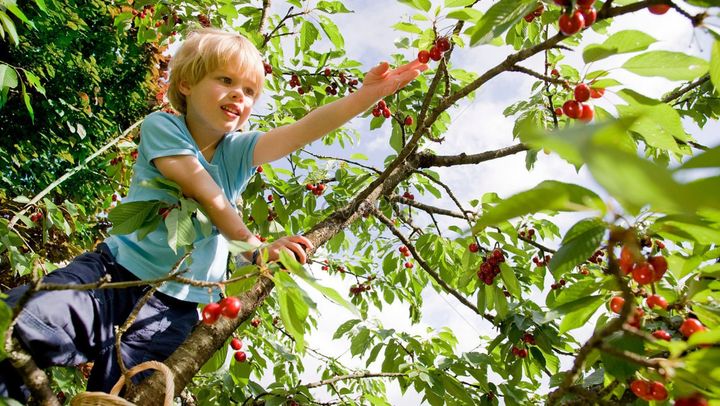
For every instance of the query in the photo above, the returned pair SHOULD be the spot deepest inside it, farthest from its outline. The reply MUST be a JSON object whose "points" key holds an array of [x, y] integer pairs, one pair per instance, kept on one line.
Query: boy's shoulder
{"points": [[161, 117]]}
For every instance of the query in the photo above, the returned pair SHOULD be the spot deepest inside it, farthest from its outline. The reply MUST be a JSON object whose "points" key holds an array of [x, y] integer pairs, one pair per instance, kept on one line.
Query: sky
{"points": [[476, 127]]}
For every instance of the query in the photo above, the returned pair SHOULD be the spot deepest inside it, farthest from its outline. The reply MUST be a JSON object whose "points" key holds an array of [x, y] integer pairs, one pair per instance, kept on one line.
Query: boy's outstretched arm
{"points": [[196, 183], [381, 81]]}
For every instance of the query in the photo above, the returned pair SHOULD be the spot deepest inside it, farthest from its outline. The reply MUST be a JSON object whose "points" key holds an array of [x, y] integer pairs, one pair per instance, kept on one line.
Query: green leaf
{"points": [[465, 14], [618, 367], [706, 159], [293, 308], [635, 182], [407, 27], [332, 7], [618, 43], [423, 5], [658, 125], [688, 227], [715, 65], [128, 217], [345, 327], [360, 342], [8, 76], [510, 280], [548, 195], [667, 64], [456, 389], [330, 293], [9, 27], [580, 242], [499, 18], [332, 32], [581, 315], [571, 307], [458, 3], [308, 35]]}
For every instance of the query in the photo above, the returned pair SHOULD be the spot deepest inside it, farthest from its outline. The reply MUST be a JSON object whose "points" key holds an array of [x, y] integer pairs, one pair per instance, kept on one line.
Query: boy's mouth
{"points": [[231, 110]]}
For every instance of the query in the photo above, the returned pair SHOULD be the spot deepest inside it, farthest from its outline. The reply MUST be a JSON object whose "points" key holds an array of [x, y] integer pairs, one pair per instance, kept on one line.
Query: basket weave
{"points": [[112, 398]]}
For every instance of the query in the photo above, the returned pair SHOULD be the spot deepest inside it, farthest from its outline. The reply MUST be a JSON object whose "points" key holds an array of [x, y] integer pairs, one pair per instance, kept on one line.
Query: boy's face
{"points": [[220, 102]]}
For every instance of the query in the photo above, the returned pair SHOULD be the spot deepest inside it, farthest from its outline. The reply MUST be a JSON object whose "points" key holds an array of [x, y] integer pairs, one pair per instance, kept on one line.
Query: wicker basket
{"points": [[112, 398]]}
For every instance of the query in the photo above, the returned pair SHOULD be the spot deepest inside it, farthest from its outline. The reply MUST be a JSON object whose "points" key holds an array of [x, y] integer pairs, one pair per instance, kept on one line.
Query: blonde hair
{"points": [[206, 50]]}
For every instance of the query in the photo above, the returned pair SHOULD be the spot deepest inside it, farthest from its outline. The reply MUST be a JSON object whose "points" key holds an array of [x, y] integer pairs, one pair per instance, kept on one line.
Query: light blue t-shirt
{"points": [[164, 134]]}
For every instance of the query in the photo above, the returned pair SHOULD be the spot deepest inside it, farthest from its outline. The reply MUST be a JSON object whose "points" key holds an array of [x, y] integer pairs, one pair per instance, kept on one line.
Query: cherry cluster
{"points": [[692, 400], [255, 322], [359, 288], [644, 270], [236, 344], [228, 307], [442, 44], [535, 13], [204, 20], [649, 390], [540, 263], [148, 9], [36, 217], [490, 267], [519, 352], [529, 233], [381, 109], [559, 284], [596, 257], [404, 251], [408, 195], [316, 189], [572, 22], [577, 108]]}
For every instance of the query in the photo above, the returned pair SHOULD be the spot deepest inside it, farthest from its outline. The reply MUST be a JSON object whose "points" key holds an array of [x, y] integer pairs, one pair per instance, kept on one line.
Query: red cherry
{"points": [[626, 261], [659, 9], [616, 304], [376, 112], [210, 313], [694, 400], [310, 186], [424, 56], [584, 3], [660, 265], [259, 169], [558, 111], [690, 327], [320, 187], [327, 72], [435, 53], [656, 300], [587, 113], [597, 93], [473, 247], [582, 92], [408, 265], [572, 109], [555, 73], [230, 307], [443, 43], [662, 335], [235, 344], [255, 322], [240, 356], [589, 15], [571, 23], [270, 198], [643, 273], [381, 104], [658, 391], [403, 248], [640, 388], [529, 18], [408, 121], [386, 113]]}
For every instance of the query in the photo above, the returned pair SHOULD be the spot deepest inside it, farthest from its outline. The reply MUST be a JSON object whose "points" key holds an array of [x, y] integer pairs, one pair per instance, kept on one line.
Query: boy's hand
{"points": [[295, 245], [383, 81]]}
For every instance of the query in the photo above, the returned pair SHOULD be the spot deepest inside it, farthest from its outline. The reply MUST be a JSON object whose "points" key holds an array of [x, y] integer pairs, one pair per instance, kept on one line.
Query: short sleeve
{"points": [[238, 154], [163, 134]]}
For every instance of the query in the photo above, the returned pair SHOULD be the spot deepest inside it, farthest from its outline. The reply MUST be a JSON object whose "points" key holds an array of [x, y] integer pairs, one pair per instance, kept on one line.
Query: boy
{"points": [[215, 79]]}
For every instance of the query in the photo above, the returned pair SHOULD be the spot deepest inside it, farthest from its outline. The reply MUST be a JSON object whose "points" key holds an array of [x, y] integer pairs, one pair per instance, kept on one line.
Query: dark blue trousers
{"points": [[68, 327]]}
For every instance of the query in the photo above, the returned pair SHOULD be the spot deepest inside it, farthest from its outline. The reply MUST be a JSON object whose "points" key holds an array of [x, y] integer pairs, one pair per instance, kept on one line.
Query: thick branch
{"points": [[428, 160], [425, 207], [34, 378]]}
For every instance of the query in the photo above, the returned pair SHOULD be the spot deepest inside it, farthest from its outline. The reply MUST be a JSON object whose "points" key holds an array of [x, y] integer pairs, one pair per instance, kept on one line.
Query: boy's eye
{"points": [[226, 80], [249, 91]]}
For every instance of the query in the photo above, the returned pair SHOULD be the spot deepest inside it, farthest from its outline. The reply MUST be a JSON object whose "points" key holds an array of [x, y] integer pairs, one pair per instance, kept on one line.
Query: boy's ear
{"points": [[184, 87]]}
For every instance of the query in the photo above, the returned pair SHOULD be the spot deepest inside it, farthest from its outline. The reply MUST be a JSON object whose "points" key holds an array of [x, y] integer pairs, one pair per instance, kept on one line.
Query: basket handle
{"points": [[169, 384]]}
